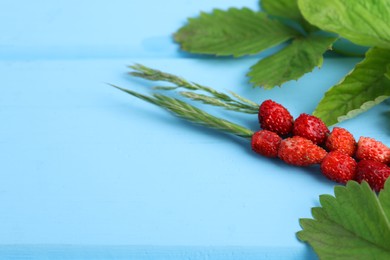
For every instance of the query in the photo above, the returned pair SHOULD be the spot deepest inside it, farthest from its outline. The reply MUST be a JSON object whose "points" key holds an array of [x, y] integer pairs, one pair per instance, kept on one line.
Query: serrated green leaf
{"points": [[300, 57], [234, 32], [350, 225], [364, 87], [364, 22]]}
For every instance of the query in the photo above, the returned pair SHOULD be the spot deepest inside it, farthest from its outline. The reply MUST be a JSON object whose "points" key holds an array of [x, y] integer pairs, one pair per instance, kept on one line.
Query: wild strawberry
{"points": [[371, 149], [275, 117], [341, 140], [266, 143], [339, 167], [373, 172], [300, 151], [310, 127]]}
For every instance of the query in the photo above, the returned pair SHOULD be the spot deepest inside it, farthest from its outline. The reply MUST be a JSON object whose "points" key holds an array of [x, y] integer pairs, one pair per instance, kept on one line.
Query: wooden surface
{"points": [[88, 172]]}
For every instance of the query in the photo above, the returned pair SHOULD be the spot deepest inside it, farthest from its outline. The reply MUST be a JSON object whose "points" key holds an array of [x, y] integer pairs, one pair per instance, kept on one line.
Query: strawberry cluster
{"points": [[308, 141]]}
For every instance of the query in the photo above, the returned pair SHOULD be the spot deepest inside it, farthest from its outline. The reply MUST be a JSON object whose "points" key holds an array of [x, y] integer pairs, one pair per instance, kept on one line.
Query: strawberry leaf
{"points": [[353, 224], [365, 86], [298, 58], [364, 22], [234, 32]]}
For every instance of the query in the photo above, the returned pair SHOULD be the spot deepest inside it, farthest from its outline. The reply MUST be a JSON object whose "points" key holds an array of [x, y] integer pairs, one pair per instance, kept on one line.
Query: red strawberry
{"points": [[300, 151], [266, 143], [341, 140], [339, 167], [371, 149], [373, 172], [310, 127], [274, 117]]}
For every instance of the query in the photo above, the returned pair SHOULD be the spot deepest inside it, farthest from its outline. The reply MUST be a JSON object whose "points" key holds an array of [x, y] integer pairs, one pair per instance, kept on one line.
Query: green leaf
{"points": [[234, 32], [300, 57], [364, 22], [364, 87], [351, 225]]}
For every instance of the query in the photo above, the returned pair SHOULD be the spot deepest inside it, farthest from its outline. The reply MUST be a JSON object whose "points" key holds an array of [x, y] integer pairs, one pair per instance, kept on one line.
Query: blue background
{"points": [[87, 171]]}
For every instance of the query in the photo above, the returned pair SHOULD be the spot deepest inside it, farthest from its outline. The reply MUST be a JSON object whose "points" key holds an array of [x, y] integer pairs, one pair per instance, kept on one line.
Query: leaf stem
{"points": [[235, 103], [191, 113]]}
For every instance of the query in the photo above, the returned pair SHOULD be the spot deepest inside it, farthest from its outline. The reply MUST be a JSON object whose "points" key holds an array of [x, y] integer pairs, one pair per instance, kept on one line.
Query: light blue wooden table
{"points": [[88, 172]]}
